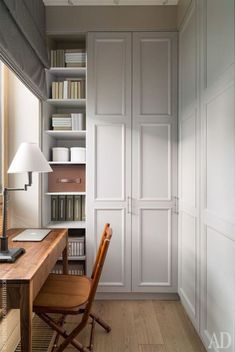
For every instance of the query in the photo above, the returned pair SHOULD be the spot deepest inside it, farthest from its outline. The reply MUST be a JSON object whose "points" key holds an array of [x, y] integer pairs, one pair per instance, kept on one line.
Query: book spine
{"points": [[53, 90], [54, 208], [77, 208], [65, 93], [61, 88], [62, 208], [83, 208], [69, 208]]}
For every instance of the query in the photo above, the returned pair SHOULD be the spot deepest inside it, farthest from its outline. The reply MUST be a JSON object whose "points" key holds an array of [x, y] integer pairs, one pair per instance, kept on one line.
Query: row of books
{"points": [[68, 208], [74, 121], [74, 269], [76, 247], [71, 88], [68, 58]]}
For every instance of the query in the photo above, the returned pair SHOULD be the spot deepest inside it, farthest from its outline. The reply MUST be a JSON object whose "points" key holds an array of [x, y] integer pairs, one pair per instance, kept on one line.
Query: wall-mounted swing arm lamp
{"points": [[29, 159]]}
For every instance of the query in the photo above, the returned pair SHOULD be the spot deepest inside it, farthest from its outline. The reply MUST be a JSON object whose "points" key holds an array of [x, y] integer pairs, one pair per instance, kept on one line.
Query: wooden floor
{"points": [[142, 326]]}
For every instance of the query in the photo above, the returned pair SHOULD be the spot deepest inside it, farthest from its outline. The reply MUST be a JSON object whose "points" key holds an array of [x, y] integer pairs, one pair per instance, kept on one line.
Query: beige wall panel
{"points": [[106, 18]]}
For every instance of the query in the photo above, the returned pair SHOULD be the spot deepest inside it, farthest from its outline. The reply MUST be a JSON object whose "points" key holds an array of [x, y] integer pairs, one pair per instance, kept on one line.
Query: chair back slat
{"points": [[98, 268], [103, 236]]}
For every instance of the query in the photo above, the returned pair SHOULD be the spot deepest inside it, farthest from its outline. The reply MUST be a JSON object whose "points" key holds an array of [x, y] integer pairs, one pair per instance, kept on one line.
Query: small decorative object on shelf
{"points": [[78, 154], [67, 178], [60, 154]]}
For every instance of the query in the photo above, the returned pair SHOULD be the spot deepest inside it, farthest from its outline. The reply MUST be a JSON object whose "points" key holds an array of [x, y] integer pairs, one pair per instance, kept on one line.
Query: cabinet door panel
{"points": [[109, 154], [154, 249], [113, 136], [152, 87], [154, 163], [108, 86], [116, 269]]}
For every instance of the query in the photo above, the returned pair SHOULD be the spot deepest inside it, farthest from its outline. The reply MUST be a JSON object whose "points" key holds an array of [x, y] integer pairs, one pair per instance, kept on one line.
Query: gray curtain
{"points": [[22, 41]]}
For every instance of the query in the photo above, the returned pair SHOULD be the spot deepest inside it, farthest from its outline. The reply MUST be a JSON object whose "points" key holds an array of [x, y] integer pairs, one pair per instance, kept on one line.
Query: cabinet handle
{"points": [[69, 180], [176, 205], [129, 205]]}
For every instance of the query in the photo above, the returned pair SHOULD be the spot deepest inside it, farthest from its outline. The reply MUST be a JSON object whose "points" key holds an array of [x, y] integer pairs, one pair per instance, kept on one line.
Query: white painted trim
{"points": [[172, 296]]}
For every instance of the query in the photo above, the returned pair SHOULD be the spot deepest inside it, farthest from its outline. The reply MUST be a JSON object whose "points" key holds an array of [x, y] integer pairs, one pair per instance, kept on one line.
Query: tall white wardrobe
{"points": [[132, 158]]}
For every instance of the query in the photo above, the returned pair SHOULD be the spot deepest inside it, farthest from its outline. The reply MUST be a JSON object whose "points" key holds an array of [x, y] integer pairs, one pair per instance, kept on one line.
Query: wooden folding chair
{"points": [[72, 295]]}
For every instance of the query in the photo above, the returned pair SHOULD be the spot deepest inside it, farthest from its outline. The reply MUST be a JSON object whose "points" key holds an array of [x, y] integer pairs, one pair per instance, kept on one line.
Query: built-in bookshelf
{"points": [[66, 87]]}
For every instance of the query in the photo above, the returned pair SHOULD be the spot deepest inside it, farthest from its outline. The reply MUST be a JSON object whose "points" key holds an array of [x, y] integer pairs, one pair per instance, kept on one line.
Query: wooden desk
{"points": [[25, 277]]}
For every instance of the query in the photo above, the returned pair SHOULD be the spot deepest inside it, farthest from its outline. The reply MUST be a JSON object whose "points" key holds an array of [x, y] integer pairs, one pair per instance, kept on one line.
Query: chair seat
{"points": [[63, 293]]}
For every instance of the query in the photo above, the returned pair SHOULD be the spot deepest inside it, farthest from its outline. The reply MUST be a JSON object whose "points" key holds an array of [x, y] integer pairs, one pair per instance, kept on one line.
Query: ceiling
{"points": [[108, 2]]}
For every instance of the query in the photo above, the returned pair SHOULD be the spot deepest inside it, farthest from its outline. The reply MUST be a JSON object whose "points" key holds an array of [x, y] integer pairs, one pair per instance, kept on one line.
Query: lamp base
{"points": [[11, 255]]}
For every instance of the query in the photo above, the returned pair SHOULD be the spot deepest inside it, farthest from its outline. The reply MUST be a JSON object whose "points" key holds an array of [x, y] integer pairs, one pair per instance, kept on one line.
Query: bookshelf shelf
{"points": [[65, 193], [65, 163], [77, 135], [67, 224], [68, 71], [68, 103]]}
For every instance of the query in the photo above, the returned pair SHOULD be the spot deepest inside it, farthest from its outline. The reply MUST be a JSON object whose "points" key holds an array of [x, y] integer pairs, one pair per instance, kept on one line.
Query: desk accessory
{"points": [[28, 158]]}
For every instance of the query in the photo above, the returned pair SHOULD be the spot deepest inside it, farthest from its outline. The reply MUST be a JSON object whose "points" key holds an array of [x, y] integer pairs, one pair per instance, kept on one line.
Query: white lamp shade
{"points": [[29, 158]]}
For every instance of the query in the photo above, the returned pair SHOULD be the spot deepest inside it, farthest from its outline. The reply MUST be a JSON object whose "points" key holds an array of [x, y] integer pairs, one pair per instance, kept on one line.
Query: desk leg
{"points": [[26, 307], [65, 259]]}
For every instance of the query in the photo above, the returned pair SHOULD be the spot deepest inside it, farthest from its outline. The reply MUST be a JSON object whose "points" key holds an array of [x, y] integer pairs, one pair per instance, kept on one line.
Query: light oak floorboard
{"points": [[151, 348], [177, 331], [146, 325], [141, 326]]}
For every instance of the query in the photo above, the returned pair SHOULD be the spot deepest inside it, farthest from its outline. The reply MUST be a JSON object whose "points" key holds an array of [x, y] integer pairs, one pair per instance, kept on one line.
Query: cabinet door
{"points": [[154, 164], [109, 154]]}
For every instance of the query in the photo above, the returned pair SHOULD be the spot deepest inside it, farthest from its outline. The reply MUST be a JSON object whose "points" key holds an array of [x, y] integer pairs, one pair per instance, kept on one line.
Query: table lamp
{"points": [[28, 158]]}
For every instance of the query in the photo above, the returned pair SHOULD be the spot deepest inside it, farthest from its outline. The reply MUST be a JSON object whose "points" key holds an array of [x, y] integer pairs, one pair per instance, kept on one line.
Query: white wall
{"points": [[207, 168], [24, 109]]}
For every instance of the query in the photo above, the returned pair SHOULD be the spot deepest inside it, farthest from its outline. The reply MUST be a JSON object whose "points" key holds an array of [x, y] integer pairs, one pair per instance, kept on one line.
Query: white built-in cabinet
{"points": [[207, 171], [132, 158]]}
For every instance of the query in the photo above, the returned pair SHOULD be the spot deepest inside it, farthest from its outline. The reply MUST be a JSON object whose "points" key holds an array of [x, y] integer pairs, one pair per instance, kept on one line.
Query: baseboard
{"points": [[136, 296]]}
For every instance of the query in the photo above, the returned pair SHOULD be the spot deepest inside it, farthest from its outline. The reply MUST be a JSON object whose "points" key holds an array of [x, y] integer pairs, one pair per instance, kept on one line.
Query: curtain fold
{"points": [[22, 41]]}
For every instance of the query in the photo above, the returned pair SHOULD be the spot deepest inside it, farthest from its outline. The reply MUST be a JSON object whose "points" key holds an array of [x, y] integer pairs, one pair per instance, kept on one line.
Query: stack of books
{"points": [[61, 122], [71, 88], [74, 269], [78, 121], [76, 247], [68, 208], [67, 122], [57, 58], [75, 58], [68, 58]]}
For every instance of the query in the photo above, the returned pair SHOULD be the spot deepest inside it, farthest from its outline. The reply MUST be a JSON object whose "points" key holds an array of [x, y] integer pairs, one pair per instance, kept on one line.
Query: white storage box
{"points": [[78, 154], [60, 154]]}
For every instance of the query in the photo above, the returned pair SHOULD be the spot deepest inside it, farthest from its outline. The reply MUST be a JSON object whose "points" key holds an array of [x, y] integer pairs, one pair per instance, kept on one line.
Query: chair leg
{"points": [[63, 333], [101, 322], [91, 344], [60, 322]]}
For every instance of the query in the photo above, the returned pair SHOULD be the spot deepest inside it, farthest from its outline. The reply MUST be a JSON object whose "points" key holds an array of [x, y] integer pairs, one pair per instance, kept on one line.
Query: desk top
{"points": [[28, 264]]}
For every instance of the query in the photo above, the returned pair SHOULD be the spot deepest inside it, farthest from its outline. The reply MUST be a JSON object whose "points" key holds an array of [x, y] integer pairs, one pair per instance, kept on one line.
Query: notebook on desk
{"points": [[32, 235]]}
